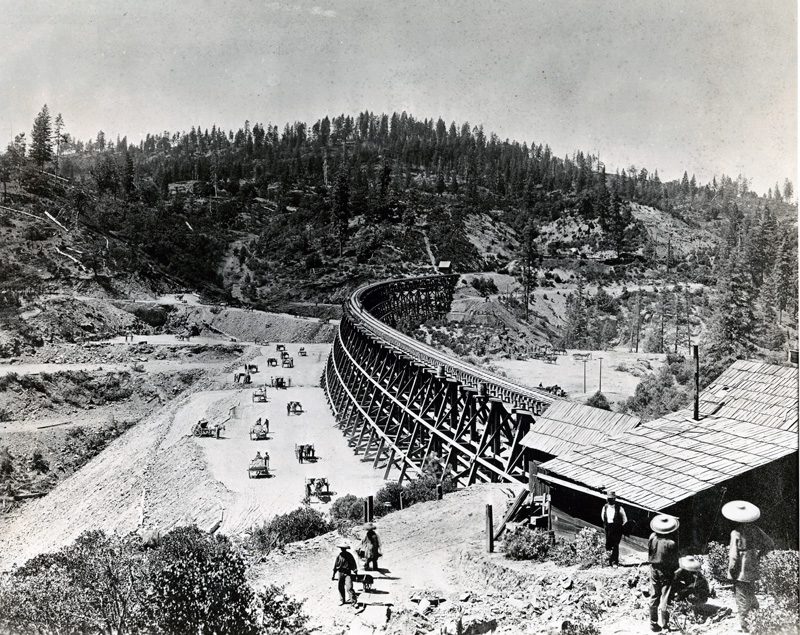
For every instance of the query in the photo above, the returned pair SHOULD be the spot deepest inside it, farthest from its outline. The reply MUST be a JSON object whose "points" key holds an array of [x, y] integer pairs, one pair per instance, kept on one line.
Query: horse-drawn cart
{"points": [[203, 429], [259, 466], [259, 430]]}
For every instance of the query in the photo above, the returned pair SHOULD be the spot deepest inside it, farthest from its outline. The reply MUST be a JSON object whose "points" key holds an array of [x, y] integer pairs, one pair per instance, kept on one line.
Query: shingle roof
{"points": [[565, 425], [754, 422]]}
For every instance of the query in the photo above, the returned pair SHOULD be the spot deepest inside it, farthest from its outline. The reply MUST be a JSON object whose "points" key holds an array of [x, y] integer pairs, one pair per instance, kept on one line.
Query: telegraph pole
{"points": [[600, 388]]}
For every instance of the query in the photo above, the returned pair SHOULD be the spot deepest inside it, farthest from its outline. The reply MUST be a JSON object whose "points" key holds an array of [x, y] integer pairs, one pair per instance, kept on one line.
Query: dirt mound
{"points": [[252, 326]]}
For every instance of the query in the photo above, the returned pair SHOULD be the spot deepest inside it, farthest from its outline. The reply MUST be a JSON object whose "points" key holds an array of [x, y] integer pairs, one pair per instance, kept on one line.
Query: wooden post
{"points": [[366, 511], [370, 508], [438, 492], [401, 500], [533, 470], [489, 530]]}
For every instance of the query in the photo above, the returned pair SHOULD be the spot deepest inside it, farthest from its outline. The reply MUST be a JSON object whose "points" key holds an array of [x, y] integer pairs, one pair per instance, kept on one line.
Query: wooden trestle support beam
{"points": [[400, 412]]}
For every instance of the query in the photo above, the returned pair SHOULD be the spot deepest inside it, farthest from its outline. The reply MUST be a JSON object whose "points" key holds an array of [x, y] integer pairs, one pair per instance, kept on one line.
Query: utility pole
{"points": [[638, 315], [584, 374], [600, 387]]}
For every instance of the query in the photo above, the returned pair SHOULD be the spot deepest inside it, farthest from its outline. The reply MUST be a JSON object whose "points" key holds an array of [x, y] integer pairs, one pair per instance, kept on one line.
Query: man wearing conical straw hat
{"points": [[747, 541], [663, 558]]}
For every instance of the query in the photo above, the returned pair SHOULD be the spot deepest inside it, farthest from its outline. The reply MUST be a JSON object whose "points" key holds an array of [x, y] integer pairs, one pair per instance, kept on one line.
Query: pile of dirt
{"points": [[47, 394], [251, 326], [105, 353], [64, 319]]}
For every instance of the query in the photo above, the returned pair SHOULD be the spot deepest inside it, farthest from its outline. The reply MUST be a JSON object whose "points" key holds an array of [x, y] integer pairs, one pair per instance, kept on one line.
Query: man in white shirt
{"points": [[614, 519]]}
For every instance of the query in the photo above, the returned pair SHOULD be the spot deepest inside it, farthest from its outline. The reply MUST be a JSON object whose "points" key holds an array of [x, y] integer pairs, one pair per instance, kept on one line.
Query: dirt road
{"points": [[158, 476]]}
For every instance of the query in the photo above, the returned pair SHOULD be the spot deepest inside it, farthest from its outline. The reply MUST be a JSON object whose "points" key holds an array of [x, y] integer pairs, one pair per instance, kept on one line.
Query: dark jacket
{"points": [[662, 552], [345, 563], [690, 585]]}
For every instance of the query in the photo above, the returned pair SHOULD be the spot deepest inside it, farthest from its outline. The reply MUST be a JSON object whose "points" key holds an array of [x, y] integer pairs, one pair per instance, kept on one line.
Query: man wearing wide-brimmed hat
{"points": [[345, 566], [747, 540], [688, 583], [614, 519], [663, 559], [371, 547]]}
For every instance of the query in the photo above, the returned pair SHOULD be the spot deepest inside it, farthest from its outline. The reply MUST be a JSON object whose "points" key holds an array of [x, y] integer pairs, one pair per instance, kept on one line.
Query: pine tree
{"points": [[529, 257], [733, 322], [128, 174], [577, 327], [41, 139], [341, 204], [772, 335], [58, 138], [788, 191]]}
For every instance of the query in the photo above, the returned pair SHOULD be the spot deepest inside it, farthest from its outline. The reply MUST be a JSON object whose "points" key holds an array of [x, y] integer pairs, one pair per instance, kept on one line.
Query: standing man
{"points": [[345, 566], [663, 559], [288, 408], [371, 546], [614, 519], [747, 542]]}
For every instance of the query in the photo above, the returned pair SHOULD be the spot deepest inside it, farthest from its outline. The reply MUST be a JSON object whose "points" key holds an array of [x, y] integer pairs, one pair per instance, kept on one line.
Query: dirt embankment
{"points": [[251, 326]]}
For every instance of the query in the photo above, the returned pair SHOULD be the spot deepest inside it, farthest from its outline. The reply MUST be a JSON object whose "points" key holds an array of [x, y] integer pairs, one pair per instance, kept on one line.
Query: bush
{"points": [[347, 510], [598, 400], [774, 620], [717, 561], [779, 577], [192, 582], [198, 585], [527, 544], [389, 493], [301, 524], [280, 614], [590, 548]]}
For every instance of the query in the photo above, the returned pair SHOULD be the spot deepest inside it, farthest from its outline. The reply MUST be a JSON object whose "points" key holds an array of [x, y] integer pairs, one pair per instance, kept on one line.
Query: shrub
{"points": [[280, 614], [598, 400], [198, 585], [301, 524], [527, 544], [389, 493], [717, 561], [347, 510], [779, 577], [38, 463], [590, 548], [774, 620]]}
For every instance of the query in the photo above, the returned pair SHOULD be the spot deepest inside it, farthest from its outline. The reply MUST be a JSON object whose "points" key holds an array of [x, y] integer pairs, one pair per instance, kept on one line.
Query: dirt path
{"points": [[158, 476], [420, 546]]}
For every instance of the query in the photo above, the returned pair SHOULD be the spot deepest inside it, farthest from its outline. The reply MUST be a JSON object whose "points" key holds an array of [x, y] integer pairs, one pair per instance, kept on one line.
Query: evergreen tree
{"points": [[41, 139], [577, 327], [128, 173], [340, 206], [772, 336], [788, 191], [730, 335], [529, 257]]}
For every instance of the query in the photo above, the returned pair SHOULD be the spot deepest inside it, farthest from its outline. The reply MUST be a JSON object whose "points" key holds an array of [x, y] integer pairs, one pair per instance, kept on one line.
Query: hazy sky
{"points": [[707, 86]]}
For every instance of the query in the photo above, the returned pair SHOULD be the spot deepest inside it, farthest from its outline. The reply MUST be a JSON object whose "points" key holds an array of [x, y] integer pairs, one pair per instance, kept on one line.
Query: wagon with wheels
{"points": [[302, 351], [279, 382], [260, 395], [318, 487], [205, 429], [294, 408], [285, 355], [271, 361], [305, 452], [259, 466], [242, 378], [280, 347], [252, 368], [259, 430], [287, 363]]}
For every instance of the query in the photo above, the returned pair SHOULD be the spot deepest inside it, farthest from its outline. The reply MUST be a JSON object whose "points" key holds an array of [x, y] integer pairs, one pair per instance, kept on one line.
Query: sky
{"points": [[706, 86]]}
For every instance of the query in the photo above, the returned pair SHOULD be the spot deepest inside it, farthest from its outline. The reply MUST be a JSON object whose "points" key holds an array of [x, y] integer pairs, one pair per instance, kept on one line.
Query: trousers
{"points": [[346, 586], [745, 594], [613, 538], [660, 588]]}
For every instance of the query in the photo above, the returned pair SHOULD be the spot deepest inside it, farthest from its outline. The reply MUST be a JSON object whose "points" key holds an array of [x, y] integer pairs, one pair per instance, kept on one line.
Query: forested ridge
{"points": [[308, 212]]}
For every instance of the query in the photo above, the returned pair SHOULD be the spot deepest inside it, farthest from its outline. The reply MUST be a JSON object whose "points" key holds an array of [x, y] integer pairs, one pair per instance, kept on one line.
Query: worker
{"points": [[345, 566], [747, 541], [266, 425], [288, 408], [258, 458], [614, 519], [300, 451], [688, 583], [371, 546], [309, 482], [663, 558]]}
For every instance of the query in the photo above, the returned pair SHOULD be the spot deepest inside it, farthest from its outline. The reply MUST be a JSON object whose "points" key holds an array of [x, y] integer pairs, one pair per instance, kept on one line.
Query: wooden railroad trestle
{"points": [[402, 404]]}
